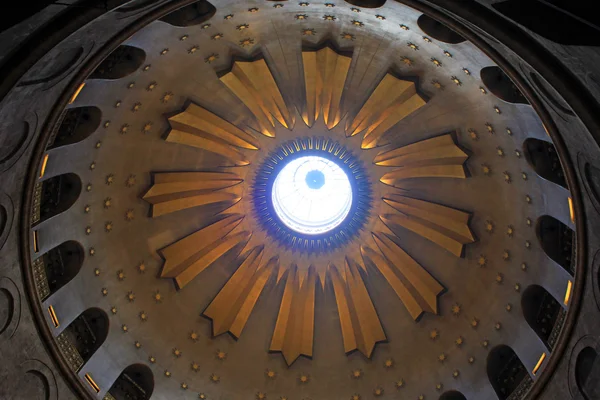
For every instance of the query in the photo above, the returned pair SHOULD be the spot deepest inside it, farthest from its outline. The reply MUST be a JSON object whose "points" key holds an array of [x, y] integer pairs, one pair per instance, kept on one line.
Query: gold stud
{"points": [[456, 309], [434, 334], [246, 42], [482, 261], [499, 278], [211, 58]]}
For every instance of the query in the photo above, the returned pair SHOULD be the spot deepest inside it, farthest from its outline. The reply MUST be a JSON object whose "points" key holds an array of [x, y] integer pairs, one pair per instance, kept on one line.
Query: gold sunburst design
{"points": [[267, 126]]}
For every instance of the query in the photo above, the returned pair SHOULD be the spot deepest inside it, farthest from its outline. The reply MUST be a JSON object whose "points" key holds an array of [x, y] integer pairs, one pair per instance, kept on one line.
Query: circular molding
{"points": [[312, 195], [582, 343], [6, 217], [22, 133], [277, 160], [11, 291]]}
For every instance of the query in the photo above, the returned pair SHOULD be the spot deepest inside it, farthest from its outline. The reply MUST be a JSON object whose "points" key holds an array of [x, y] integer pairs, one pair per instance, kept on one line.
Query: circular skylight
{"points": [[312, 195]]}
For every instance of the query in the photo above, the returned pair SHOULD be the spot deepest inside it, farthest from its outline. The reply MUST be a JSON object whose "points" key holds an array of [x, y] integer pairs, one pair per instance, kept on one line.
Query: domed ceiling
{"points": [[157, 239]]}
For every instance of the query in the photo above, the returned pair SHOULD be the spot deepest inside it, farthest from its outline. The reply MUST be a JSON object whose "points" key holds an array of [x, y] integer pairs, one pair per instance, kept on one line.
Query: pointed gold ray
{"points": [[253, 83], [361, 328], [392, 100], [442, 225], [400, 286], [408, 279], [174, 191], [198, 127], [231, 308], [325, 74], [440, 150], [194, 253], [294, 330], [438, 157]]}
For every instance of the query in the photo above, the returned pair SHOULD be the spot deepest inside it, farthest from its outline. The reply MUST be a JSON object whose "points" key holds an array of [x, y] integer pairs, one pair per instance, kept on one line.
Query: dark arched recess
{"points": [[438, 31], [541, 311], [543, 158], [564, 22], [62, 264], [557, 241], [123, 61], [367, 3], [586, 359], [135, 382], [505, 371], [452, 395], [501, 86], [192, 14], [77, 124], [58, 194], [87, 332]]}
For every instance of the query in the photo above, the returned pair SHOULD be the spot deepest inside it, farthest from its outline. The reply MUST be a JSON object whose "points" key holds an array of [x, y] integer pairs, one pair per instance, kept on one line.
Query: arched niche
{"points": [[438, 31], [87, 333], [367, 3], [543, 158], [501, 85], [452, 395], [193, 14], [77, 124], [123, 61], [568, 23], [135, 382], [586, 359], [505, 371], [58, 194], [557, 241], [541, 311], [62, 264]]}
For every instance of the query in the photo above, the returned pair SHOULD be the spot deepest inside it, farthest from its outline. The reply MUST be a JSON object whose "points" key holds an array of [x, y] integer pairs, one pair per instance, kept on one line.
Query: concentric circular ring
{"points": [[287, 169], [312, 195]]}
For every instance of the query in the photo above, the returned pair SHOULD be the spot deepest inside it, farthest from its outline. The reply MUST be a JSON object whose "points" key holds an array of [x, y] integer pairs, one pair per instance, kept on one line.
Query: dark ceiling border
{"points": [[583, 103], [578, 97], [76, 385]]}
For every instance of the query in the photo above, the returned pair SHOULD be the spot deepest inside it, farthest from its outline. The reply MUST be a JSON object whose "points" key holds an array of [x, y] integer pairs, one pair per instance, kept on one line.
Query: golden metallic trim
{"points": [[44, 164], [53, 316], [79, 89], [571, 210], [92, 383], [539, 363], [568, 292], [36, 246]]}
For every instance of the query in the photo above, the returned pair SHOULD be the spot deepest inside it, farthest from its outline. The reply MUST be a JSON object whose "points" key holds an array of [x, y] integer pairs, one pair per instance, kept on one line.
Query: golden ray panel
{"points": [[294, 330], [191, 255], [198, 127], [438, 157], [266, 256], [392, 100], [417, 289], [325, 73], [361, 328], [442, 225], [253, 83], [231, 308], [174, 191]]}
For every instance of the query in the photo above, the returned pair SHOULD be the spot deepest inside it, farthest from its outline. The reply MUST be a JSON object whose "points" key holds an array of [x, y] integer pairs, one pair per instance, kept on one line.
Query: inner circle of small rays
{"points": [[323, 147]]}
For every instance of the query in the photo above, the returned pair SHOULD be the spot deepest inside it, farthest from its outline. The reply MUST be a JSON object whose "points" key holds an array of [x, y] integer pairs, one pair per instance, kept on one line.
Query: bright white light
{"points": [[312, 195]]}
